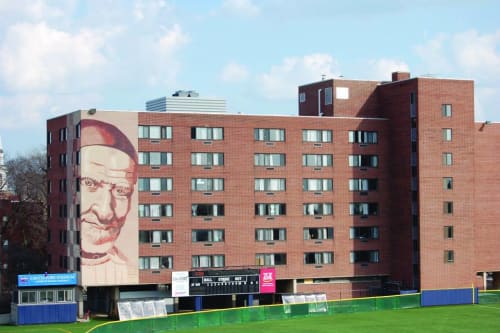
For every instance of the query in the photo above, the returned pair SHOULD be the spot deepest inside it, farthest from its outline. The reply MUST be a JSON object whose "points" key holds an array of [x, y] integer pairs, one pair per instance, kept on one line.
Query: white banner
{"points": [[180, 284]]}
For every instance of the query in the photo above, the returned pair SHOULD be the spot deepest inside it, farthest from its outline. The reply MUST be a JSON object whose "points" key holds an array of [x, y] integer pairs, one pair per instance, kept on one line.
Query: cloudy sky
{"points": [[63, 55]]}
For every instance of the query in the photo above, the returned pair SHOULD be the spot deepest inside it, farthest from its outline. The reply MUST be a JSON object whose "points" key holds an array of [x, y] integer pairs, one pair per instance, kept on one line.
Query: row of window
{"points": [[363, 209], [260, 134], [218, 261], [261, 234], [34, 296], [261, 259], [260, 184], [156, 132], [261, 209], [209, 159]]}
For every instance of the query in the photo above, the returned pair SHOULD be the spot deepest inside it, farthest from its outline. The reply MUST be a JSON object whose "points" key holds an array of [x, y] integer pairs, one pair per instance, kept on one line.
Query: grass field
{"points": [[452, 319]]}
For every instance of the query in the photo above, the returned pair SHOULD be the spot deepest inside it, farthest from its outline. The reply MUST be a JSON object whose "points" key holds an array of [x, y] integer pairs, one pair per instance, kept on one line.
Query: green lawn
{"points": [[453, 319]]}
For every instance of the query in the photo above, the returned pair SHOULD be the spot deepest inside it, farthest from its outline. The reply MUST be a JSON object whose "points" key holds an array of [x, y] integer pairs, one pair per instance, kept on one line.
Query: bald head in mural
{"points": [[108, 177]]}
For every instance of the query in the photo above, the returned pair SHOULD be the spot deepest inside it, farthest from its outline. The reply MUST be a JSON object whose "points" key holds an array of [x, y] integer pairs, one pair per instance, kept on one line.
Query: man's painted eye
{"points": [[89, 183], [122, 191]]}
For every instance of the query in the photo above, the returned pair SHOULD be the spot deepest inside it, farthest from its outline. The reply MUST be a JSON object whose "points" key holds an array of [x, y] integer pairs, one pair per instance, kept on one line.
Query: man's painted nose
{"points": [[104, 206]]}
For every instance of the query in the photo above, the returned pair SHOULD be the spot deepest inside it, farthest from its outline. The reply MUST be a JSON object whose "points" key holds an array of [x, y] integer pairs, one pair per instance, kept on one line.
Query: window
{"points": [[269, 160], [49, 137], [207, 235], [63, 211], [28, 296], [207, 133], [363, 161], [363, 184], [317, 160], [318, 233], [207, 184], [446, 134], [155, 158], [270, 259], [207, 210], [363, 208], [155, 210], [446, 110], [155, 184], [156, 262], [46, 296], [77, 184], [49, 161], [270, 184], [447, 159], [156, 236], [447, 183], [363, 233], [269, 134], [64, 295], [318, 209], [63, 134], [207, 261], [63, 160], [270, 234], [302, 97], [448, 232], [78, 130], [155, 132], [328, 96], [77, 157], [318, 258], [317, 135], [63, 237], [364, 257], [317, 184], [207, 159], [363, 137], [449, 256], [448, 207], [62, 185], [270, 209]]}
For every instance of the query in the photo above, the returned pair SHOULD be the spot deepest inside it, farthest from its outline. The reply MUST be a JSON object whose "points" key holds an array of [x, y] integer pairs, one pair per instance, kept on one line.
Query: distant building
{"points": [[186, 101], [372, 184], [3, 171]]}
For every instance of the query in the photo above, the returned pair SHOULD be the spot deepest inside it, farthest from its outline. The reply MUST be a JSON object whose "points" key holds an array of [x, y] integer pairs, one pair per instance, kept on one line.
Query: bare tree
{"points": [[24, 233]]}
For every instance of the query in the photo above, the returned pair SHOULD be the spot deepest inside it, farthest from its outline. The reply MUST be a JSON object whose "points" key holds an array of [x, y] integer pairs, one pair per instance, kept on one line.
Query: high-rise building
{"points": [[372, 184]]}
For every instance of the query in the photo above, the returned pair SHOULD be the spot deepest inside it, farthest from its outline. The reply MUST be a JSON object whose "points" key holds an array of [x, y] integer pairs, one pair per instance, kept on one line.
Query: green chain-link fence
{"points": [[214, 318]]}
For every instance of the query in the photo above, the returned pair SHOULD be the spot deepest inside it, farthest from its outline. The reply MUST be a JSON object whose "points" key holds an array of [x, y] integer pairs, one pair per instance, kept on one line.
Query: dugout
{"points": [[44, 299]]}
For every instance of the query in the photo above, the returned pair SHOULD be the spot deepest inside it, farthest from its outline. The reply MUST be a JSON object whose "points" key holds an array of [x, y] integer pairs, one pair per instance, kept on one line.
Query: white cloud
{"points": [[234, 72], [146, 9], [382, 68], [165, 63], [30, 110], [172, 40], [470, 55], [281, 81], [37, 57], [241, 7], [33, 9], [477, 54]]}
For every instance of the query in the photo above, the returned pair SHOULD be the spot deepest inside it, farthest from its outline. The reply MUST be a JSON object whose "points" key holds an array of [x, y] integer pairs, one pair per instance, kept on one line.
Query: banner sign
{"points": [[267, 281], [180, 284], [43, 280]]}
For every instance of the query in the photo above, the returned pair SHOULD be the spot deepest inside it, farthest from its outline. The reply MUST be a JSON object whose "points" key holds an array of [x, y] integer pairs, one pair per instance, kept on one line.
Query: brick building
{"points": [[372, 182]]}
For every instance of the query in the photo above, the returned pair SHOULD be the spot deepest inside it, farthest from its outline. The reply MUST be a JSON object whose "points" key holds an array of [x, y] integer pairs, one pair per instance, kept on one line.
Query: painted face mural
{"points": [[107, 190]]}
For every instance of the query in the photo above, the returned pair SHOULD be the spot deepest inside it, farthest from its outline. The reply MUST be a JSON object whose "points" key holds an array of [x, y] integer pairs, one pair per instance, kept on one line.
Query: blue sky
{"points": [[61, 56]]}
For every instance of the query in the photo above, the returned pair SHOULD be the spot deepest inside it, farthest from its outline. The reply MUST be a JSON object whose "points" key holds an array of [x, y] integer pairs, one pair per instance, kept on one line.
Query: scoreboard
{"points": [[224, 282]]}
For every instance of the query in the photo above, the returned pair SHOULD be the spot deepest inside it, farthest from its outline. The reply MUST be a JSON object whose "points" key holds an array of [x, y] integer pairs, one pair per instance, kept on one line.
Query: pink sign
{"points": [[267, 281]]}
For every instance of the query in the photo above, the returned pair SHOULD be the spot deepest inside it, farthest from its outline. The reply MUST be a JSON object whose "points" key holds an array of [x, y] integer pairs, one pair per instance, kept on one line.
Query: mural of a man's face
{"points": [[107, 183]]}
